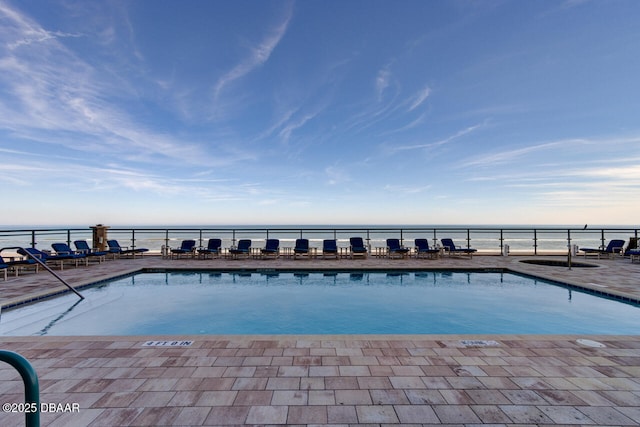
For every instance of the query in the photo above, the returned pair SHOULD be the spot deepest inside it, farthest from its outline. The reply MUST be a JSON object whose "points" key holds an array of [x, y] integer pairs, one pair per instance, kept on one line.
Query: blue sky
{"points": [[319, 112]]}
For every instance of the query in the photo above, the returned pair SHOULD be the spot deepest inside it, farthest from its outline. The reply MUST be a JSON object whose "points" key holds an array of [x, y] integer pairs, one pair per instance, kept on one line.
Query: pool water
{"points": [[324, 303]]}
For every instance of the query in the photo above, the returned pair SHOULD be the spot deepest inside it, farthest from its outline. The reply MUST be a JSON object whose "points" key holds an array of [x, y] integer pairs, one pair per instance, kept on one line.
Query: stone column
{"points": [[100, 237]]}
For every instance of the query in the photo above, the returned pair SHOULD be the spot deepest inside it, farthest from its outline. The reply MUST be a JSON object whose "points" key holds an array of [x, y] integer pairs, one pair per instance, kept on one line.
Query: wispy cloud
{"points": [[444, 141], [258, 54], [382, 81], [403, 189], [420, 97], [52, 96], [507, 156]]}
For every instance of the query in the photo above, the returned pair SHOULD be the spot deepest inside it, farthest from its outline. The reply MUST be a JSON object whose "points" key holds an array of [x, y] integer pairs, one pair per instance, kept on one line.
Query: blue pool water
{"points": [[324, 303]]}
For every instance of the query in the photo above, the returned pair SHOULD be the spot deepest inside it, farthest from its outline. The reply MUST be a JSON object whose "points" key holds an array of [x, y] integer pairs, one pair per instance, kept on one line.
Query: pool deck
{"points": [[338, 380]]}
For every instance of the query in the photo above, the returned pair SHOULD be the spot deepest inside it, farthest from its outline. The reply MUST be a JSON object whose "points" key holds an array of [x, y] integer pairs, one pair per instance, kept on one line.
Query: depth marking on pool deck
{"points": [[167, 343], [480, 343]]}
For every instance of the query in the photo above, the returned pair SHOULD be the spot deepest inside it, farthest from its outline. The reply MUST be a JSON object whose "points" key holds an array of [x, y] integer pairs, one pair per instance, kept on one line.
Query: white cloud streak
{"points": [[258, 55], [444, 141], [420, 97]]}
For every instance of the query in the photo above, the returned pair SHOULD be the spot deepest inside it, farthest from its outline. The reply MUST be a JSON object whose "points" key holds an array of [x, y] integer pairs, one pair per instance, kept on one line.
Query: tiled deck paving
{"points": [[339, 380]]}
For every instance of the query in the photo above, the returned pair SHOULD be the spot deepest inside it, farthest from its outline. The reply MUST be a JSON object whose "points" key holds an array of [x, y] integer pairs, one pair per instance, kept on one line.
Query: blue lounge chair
{"points": [[271, 248], [452, 249], [83, 247], [631, 246], [301, 248], [187, 247], [214, 247], [614, 247], [64, 249], [357, 247], [117, 250], [423, 249], [395, 248], [4, 267], [329, 248], [47, 258], [244, 248], [19, 264]]}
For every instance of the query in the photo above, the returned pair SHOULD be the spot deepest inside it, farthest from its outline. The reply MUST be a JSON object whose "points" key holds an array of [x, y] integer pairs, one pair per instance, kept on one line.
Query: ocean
{"points": [[524, 239]]}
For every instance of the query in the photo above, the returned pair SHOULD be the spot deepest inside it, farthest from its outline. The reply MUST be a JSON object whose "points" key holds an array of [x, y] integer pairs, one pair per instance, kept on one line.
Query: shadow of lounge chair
{"points": [[330, 249], [83, 247], [117, 250], [357, 247], [62, 249], [271, 248], [423, 249], [214, 248], [452, 249], [187, 247], [615, 247], [301, 248], [395, 248], [243, 248]]}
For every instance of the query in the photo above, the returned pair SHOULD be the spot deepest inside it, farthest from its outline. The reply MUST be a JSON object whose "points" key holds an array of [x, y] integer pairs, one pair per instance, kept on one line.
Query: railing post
{"points": [[68, 237], [133, 238], [602, 238], [33, 238], [166, 239], [501, 241], [468, 238], [535, 241], [31, 386], [569, 247]]}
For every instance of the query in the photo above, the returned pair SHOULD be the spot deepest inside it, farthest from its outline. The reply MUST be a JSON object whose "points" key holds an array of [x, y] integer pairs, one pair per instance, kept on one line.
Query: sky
{"points": [[158, 112]]}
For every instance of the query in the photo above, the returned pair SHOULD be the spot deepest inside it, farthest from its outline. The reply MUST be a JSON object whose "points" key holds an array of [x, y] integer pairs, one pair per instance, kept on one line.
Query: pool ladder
{"points": [[46, 267]]}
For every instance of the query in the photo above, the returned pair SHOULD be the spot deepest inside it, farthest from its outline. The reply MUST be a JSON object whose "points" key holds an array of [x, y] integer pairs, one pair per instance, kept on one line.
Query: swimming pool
{"points": [[427, 302]]}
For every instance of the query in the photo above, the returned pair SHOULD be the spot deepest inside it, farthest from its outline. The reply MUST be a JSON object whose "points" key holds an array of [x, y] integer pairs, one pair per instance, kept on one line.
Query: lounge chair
{"points": [[47, 258], [614, 247], [63, 249], [271, 248], [18, 265], [452, 249], [187, 247], [357, 247], [330, 248], [117, 250], [423, 249], [634, 254], [243, 248], [214, 247], [83, 247], [395, 248], [4, 267], [301, 248], [631, 246]]}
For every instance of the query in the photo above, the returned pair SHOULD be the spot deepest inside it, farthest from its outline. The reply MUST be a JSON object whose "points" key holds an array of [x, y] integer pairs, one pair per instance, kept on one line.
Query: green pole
{"points": [[31, 387]]}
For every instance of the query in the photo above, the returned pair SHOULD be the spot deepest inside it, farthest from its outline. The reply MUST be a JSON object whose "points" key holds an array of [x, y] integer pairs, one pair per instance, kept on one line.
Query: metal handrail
{"points": [[31, 386], [45, 266], [501, 234]]}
